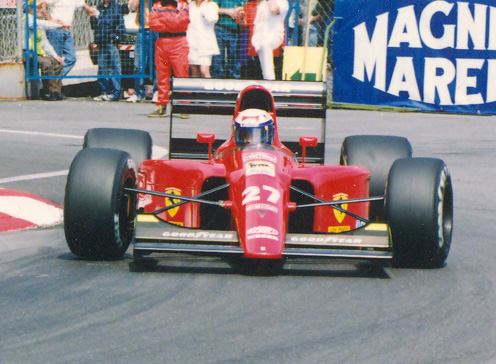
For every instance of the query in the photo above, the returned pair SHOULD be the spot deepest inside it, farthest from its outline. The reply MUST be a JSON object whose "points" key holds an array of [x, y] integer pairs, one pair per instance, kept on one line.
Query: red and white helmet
{"points": [[252, 127]]}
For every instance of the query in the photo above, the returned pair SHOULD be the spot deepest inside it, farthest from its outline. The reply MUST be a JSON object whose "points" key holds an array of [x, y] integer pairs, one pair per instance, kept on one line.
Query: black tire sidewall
{"points": [[419, 199], [94, 192]]}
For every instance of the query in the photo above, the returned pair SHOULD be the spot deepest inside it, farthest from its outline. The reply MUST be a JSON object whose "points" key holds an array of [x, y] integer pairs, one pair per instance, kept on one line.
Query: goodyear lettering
{"points": [[227, 85], [441, 25], [326, 239], [198, 235]]}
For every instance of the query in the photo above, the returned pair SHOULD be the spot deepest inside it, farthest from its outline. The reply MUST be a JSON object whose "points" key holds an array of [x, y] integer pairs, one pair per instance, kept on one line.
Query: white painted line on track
{"points": [[41, 133], [28, 177]]}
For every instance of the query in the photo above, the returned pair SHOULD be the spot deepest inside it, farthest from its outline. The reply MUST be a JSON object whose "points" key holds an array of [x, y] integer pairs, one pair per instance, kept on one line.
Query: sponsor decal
{"points": [[338, 214], [171, 201], [198, 235], [226, 85], [262, 206], [338, 229], [260, 167], [455, 66], [326, 239], [262, 232], [259, 155]]}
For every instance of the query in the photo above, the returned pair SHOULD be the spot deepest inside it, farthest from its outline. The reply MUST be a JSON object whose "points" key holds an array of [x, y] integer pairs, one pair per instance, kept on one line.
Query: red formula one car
{"points": [[251, 198]]}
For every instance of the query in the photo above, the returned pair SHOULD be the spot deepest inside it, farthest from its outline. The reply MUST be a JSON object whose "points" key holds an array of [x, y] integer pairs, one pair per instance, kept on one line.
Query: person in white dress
{"points": [[268, 33], [203, 15]]}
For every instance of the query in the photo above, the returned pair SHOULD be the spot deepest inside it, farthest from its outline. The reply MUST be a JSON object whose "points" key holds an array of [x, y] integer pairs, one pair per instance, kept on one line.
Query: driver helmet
{"points": [[252, 127]]}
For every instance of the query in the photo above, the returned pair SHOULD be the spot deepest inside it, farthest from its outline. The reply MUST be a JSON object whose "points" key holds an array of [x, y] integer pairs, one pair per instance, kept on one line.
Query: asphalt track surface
{"points": [[55, 308]]}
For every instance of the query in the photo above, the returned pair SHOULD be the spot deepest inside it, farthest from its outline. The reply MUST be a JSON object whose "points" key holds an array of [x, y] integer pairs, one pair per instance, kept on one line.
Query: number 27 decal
{"points": [[252, 193]]}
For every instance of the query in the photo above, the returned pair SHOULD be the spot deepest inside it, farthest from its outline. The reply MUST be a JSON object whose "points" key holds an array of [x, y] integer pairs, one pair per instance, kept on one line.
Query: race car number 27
{"points": [[252, 193]]}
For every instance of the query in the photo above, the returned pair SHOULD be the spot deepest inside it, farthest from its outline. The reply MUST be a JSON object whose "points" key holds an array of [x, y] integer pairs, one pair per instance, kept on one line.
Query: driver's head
{"points": [[252, 127]]}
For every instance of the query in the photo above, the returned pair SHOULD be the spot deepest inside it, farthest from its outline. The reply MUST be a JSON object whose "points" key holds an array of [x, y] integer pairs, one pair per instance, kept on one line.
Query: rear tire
{"points": [[376, 153], [98, 214], [419, 208], [137, 143]]}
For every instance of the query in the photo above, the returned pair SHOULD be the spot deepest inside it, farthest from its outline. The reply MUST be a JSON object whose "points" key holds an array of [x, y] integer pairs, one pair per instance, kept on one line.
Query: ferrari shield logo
{"points": [[338, 214], [171, 201]]}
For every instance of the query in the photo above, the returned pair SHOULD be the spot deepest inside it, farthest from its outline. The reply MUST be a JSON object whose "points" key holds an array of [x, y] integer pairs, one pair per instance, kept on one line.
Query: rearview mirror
{"points": [[306, 141], [206, 138]]}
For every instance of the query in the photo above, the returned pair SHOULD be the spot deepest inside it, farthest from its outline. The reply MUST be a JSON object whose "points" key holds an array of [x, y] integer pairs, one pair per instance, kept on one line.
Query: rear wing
{"points": [[296, 99]]}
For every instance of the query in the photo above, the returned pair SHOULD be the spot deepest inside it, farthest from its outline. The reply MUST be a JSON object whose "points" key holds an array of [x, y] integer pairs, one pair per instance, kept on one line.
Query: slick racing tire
{"points": [[419, 210], [138, 143], [376, 153], [98, 214]]}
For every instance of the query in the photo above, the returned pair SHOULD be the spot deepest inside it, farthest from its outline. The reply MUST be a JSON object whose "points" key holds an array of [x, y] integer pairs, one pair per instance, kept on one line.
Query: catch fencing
{"points": [[308, 26]]}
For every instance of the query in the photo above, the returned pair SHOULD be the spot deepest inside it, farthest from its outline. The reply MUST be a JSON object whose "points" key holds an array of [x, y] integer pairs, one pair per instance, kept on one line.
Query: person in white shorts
{"points": [[203, 15]]}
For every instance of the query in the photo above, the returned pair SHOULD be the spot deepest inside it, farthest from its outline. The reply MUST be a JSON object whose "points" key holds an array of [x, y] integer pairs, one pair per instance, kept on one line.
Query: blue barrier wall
{"points": [[428, 55]]}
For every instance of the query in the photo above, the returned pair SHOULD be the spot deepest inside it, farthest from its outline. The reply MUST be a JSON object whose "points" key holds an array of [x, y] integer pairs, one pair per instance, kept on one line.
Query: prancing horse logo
{"points": [[171, 201], [338, 214]]}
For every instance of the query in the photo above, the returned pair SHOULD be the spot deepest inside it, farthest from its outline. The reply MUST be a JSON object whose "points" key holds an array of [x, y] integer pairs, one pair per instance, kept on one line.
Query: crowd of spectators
{"points": [[196, 38]]}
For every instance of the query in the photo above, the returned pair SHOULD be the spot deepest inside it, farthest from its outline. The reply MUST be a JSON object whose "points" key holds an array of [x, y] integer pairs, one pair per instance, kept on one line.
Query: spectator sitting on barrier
{"points": [[268, 33], [62, 11], [143, 39], [227, 32], [201, 38], [49, 62], [108, 24], [170, 19]]}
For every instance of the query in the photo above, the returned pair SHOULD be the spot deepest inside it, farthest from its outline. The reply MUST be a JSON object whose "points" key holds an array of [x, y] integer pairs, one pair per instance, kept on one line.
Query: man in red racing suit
{"points": [[170, 20]]}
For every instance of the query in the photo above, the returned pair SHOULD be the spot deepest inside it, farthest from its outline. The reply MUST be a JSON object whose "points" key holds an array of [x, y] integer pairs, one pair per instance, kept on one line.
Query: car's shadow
{"points": [[309, 268]]}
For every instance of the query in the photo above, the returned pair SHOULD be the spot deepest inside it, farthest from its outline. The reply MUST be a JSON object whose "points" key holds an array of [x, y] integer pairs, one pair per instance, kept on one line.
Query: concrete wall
{"points": [[12, 81]]}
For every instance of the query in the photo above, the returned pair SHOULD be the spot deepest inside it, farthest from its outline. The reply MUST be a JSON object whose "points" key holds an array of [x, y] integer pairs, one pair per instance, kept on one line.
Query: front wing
{"points": [[368, 243]]}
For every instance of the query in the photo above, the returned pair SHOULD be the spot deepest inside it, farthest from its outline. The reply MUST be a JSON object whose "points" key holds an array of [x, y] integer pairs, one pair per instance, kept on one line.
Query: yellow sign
{"points": [[338, 214], [308, 61], [171, 201]]}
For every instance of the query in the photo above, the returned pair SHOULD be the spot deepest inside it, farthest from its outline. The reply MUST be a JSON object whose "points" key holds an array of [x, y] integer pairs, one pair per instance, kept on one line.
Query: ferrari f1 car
{"points": [[253, 198]]}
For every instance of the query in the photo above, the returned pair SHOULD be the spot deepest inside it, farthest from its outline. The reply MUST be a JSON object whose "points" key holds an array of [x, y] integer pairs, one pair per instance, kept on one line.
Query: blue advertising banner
{"points": [[428, 55]]}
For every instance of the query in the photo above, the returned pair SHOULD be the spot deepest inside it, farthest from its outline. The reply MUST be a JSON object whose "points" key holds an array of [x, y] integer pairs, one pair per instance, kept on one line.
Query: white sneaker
{"points": [[155, 97], [134, 98], [99, 98], [110, 98]]}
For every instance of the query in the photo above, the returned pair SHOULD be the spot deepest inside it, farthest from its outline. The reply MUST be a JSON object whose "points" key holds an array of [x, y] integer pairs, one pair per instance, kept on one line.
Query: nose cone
{"points": [[262, 241]]}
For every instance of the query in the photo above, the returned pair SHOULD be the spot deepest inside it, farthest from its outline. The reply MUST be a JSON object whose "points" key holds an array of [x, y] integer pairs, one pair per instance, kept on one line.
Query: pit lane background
{"points": [[425, 55]]}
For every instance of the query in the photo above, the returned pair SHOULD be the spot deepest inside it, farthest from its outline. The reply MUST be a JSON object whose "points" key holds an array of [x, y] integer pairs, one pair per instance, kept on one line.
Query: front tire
{"points": [[419, 209], [98, 214]]}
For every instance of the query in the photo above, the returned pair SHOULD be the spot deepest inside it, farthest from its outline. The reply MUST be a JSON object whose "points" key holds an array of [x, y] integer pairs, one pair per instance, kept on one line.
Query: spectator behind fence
{"points": [[108, 24], [268, 33], [254, 71], [143, 40], [49, 62], [201, 38], [228, 33], [62, 11], [170, 19], [317, 22]]}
